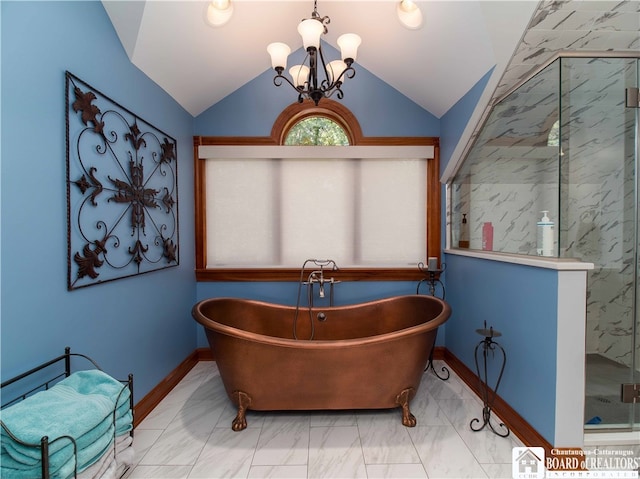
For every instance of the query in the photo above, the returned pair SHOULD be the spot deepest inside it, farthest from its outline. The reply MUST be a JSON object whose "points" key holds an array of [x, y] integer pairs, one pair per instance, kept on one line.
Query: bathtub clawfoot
{"points": [[244, 401], [402, 400]]}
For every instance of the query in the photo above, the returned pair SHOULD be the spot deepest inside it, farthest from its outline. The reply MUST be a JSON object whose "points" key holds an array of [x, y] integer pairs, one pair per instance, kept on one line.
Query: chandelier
{"points": [[305, 77]]}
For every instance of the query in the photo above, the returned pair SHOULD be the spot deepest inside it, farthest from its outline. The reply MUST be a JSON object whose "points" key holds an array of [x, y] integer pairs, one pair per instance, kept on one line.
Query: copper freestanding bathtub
{"points": [[364, 356]]}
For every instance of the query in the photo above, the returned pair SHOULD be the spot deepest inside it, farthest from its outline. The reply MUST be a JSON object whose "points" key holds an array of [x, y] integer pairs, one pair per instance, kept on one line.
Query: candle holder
{"points": [[488, 395], [432, 278]]}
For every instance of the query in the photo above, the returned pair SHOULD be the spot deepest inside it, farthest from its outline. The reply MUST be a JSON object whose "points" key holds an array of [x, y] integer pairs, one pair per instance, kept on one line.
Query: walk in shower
{"points": [[566, 142]]}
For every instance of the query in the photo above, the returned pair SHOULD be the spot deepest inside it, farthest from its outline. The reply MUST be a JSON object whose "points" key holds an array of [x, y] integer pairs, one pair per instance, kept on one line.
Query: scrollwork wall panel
{"points": [[122, 190]]}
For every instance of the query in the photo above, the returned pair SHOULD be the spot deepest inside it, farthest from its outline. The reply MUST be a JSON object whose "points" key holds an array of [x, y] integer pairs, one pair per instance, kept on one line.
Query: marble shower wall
{"points": [[586, 181], [511, 174]]}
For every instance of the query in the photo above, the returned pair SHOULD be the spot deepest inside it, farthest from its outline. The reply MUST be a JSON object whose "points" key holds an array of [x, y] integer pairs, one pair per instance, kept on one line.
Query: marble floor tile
{"points": [[486, 446], [453, 387], [335, 452], [227, 454], [161, 416], [229, 411], [278, 472], [426, 410], [498, 471], [444, 453], [183, 439], [189, 384], [460, 412], [384, 439], [396, 471], [284, 440], [160, 472], [189, 436], [143, 439], [333, 418], [199, 383]]}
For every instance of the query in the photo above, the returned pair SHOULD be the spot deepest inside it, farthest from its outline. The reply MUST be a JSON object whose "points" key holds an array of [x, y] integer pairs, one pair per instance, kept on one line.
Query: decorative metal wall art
{"points": [[122, 190]]}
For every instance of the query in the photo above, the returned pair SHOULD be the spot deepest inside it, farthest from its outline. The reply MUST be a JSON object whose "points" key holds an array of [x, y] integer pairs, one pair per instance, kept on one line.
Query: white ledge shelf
{"points": [[559, 264]]}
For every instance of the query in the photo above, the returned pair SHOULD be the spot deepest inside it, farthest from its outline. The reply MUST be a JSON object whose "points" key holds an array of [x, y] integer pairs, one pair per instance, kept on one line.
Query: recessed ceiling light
{"points": [[219, 12], [409, 14]]}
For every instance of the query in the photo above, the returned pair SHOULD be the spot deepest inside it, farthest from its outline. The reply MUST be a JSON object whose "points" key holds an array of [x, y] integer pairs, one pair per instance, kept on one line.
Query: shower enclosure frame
{"points": [[559, 163]]}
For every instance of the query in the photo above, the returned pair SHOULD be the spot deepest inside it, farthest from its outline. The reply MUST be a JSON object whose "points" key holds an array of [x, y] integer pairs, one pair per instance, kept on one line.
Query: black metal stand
{"points": [[488, 395], [432, 278], [445, 371]]}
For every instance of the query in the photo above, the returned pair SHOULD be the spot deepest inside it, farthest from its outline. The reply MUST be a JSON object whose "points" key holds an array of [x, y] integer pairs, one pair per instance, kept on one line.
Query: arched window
{"points": [[297, 124], [316, 131]]}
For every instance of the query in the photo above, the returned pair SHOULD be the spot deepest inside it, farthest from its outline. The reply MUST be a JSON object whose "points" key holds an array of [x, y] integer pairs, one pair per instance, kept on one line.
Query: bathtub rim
{"points": [[431, 324]]}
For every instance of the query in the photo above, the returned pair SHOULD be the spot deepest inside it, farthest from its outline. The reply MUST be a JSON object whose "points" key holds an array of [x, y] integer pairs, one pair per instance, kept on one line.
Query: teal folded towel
{"points": [[83, 406], [61, 463], [87, 446], [9, 471]]}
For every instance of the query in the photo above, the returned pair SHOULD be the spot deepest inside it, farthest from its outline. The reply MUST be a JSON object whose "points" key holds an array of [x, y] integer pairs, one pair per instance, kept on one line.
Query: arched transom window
{"points": [[316, 131]]}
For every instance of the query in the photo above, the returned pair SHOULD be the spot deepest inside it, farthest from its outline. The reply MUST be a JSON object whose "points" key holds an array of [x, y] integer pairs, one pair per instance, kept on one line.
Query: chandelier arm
{"points": [[337, 91], [302, 93], [277, 81], [325, 85], [348, 72]]}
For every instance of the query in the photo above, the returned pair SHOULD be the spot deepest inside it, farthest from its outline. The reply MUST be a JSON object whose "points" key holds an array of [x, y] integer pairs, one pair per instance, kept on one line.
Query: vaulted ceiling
{"points": [[434, 66]]}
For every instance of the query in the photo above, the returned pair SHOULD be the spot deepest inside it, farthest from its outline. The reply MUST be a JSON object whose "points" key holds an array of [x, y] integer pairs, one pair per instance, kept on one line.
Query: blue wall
{"points": [[521, 303], [140, 325], [454, 121]]}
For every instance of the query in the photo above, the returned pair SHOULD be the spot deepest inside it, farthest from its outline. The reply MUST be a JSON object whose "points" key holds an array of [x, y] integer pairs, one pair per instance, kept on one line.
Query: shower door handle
{"points": [[632, 98]]}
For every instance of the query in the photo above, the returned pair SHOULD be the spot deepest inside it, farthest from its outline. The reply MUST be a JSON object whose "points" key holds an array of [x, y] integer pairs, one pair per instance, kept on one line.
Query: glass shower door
{"points": [[600, 224]]}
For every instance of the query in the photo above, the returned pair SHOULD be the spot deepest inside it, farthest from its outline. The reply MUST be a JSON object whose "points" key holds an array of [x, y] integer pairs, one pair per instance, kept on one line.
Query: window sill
{"points": [[293, 274]]}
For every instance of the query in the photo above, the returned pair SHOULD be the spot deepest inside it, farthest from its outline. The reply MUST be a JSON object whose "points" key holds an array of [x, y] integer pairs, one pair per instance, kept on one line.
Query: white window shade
{"points": [[242, 205], [313, 202], [317, 210], [392, 197]]}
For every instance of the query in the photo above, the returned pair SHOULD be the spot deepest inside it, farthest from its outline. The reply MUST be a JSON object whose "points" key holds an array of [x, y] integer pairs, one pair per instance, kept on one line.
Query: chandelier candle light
{"points": [[305, 77]]}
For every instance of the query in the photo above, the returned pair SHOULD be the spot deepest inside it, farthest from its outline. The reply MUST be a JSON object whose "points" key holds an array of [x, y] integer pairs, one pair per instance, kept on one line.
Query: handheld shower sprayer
{"points": [[316, 276]]}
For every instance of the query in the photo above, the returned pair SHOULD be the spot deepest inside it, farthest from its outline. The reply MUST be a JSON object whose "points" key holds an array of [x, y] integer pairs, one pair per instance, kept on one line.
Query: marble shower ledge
{"points": [[559, 264]]}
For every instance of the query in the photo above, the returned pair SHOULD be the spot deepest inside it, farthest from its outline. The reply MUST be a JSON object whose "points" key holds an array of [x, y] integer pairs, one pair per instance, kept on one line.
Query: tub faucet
{"points": [[318, 277], [321, 283]]}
